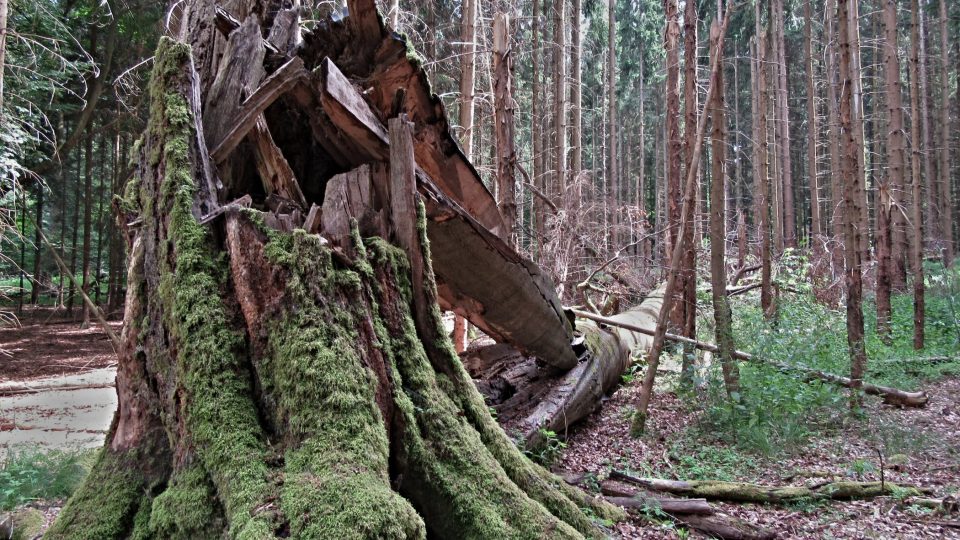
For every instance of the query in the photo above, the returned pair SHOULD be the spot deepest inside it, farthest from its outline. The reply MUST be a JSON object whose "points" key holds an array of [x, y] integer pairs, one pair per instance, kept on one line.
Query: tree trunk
{"points": [[889, 266], [558, 180], [503, 118], [685, 304], [4, 7], [812, 169], [896, 147], [38, 281], [673, 145], [277, 383], [929, 172], [77, 193], [943, 188], [718, 269], [613, 122], [576, 95], [537, 117], [853, 200], [87, 221], [783, 126], [760, 158], [916, 252]]}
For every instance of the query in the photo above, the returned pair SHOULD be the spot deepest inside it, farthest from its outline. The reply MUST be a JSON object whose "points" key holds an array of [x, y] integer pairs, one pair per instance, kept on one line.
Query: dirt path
{"points": [[46, 357]]}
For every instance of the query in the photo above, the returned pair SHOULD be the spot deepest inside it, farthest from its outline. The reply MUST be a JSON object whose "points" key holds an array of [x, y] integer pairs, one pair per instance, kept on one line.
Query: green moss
{"points": [[450, 475], [187, 509], [218, 407], [27, 524], [103, 508], [336, 482]]}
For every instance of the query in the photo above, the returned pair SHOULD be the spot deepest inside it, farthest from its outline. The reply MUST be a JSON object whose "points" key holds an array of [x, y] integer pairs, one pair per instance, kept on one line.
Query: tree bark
{"points": [[536, 115], [685, 304], [558, 180], [87, 221], [673, 144], [853, 200], [576, 95], [4, 9], [718, 270], [783, 126], [38, 282], [504, 120], [816, 231], [689, 203], [896, 148], [761, 160], [916, 214], [613, 156], [274, 385], [943, 187]]}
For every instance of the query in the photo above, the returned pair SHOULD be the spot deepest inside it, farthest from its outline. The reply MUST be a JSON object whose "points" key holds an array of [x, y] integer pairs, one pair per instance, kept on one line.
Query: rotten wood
{"points": [[251, 110], [755, 493], [349, 197]]}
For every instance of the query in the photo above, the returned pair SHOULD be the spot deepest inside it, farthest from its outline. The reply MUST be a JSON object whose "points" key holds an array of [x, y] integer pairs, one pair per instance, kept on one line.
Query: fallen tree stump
{"points": [[754, 493], [893, 396]]}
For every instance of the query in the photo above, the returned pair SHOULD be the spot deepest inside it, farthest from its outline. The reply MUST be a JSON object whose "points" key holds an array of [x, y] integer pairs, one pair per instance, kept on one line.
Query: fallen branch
{"points": [[892, 396], [692, 513], [754, 493], [23, 390]]}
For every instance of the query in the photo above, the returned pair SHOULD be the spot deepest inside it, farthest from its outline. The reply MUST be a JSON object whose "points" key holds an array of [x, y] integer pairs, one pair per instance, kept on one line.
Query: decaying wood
{"points": [[754, 493], [349, 196], [277, 84], [893, 396], [530, 399]]}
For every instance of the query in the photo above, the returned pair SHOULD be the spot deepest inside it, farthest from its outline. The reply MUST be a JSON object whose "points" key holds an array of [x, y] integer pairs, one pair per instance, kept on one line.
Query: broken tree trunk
{"points": [[714, 490], [530, 399], [893, 396], [276, 383]]}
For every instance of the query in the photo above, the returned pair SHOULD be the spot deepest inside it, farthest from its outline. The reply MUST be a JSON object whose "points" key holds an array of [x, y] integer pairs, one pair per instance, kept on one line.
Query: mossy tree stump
{"points": [[272, 384]]}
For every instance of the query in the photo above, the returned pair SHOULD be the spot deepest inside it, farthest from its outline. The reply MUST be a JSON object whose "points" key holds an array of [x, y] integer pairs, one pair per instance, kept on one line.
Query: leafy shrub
{"points": [[34, 475]]}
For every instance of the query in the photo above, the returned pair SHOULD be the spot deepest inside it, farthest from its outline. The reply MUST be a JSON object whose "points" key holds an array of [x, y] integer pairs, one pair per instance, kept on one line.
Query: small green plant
{"points": [[29, 476], [549, 450], [860, 467]]}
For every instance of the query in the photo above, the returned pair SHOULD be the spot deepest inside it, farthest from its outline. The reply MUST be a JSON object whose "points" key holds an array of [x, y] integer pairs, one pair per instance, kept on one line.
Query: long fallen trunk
{"points": [[893, 396], [531, 399], [714, 490]]}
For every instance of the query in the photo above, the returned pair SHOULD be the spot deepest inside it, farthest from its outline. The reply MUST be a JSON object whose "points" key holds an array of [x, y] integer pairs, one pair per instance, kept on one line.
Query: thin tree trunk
{"points": [[685, 309], [833, 114], [468, 37], [783, 126], [929, 172], [853, 199], [558, 182], [87, 221], [504, 120], [857, 110], [812, 171], [38, 282], [613, 182], [761, 165], [673, 145], [77, 208], [890, 268], [916, 178], [718, 271], [676, 258], [4, 7], [576, 97], [536, 115], [946, 208]]}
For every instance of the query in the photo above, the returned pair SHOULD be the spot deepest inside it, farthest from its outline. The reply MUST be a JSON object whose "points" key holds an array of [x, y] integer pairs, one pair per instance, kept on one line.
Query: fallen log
{"points": [[692, 513], [714, 490], [531, 400], [26, 390], [893, 396]]}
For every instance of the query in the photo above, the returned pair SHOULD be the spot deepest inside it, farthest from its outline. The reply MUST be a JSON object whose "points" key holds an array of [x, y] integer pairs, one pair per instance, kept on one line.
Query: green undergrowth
{"points": [[778, 411], [33, 475]]}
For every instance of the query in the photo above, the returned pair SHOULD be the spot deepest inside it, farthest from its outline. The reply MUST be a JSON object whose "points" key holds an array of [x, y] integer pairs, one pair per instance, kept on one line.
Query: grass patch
{"points": [[33, 475]]}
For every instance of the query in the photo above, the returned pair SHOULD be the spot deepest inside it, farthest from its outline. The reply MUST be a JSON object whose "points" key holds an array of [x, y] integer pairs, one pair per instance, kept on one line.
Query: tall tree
{"points": [[87, 221], [853, 198], [761, 154], [558, 181], [504, 104], [536, 130], [812, 131], [783, 128], [673, 147], [946, 205], [686, 307], [916, 179], [613, 178], [890, 266], [718, 272], [4, 8], [576, 94]]}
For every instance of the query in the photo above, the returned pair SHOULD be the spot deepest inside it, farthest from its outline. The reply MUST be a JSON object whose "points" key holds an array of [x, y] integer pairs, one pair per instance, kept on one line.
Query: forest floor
{"points": [[923, 443], [920, 446]]}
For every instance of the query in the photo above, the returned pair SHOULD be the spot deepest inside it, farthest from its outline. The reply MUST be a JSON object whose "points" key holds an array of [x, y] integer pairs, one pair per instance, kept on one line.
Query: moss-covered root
{"points": [[105, 505], [186, 510], [319, 371], [453, 479]]}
